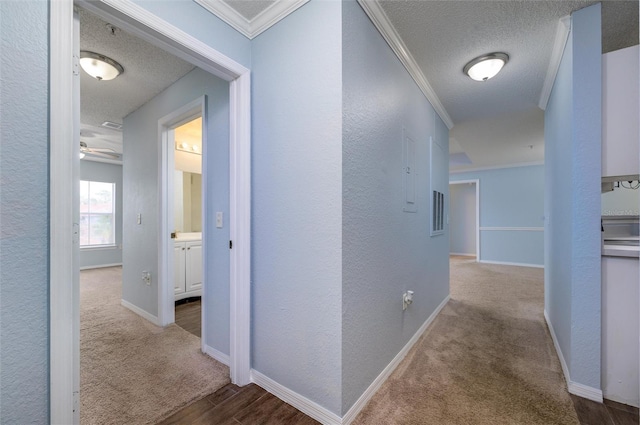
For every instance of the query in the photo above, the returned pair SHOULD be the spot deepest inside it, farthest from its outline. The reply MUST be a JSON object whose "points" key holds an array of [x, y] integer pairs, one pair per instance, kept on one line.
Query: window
{"points": [[97, 214]]}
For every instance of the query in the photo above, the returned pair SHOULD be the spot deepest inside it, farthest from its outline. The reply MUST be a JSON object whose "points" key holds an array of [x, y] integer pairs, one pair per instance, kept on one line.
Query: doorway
{"points": [[64, 306], [465, 218]]}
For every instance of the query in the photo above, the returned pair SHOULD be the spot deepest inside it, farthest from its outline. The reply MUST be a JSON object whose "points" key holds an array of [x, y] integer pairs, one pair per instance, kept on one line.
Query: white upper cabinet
{"points": [[620, 110]]}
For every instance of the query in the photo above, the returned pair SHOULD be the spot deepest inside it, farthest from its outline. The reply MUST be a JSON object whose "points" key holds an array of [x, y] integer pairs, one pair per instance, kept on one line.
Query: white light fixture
{"points": [[185, 147], [487, 66], [99, 66], [81, 155]]}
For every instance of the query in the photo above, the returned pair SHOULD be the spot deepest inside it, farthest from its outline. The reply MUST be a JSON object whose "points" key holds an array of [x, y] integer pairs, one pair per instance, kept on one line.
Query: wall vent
{"points": [[112, 125]]}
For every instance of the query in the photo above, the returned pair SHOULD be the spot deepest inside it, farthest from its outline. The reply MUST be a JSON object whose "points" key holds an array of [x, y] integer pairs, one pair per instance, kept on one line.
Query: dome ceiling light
{"points": [[99, 66], [487, 66]]}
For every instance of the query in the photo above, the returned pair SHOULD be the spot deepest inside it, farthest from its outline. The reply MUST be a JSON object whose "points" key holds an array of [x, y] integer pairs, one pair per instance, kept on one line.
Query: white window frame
{"points": [[113, 217]]}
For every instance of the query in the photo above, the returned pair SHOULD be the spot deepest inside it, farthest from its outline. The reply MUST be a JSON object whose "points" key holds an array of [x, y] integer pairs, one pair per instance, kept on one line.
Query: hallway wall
{"points": [[462, 214]]}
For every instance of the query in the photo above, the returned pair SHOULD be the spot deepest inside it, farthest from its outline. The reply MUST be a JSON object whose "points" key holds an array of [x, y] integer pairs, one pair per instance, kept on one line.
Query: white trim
{"points": [[461, 254], [497, 167], [584, 391], [563, 363], [240, 229], [477, 183], [166, 124], [140, 312], [508, 263], [103, 160], [377, 383], [512, 229], [573, 387], [300, 402], [64, 151], [64, 360], [258, 24], [100, 266], [218, 355], [562, 35], [381, 21]]}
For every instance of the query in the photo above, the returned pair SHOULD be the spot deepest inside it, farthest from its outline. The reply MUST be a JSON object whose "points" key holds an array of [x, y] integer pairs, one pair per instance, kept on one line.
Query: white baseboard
{"points": [[507, 263], [324, 415], [584, 391], [461, 254], [140, 312], [377, 383], [573, 387], [100, 266], [218, 355], [306, 406]]}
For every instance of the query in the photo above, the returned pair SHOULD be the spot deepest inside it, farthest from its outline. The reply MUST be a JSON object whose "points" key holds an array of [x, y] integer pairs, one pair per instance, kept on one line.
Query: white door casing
{"points": [[476, 182], [64, 335]]}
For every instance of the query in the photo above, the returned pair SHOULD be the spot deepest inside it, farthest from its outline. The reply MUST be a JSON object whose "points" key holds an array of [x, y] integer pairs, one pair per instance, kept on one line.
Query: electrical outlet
{"points": [[146, 278], [407, 299]]}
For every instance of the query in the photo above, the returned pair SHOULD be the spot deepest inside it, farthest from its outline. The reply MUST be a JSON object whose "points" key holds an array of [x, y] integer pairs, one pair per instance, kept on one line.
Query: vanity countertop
{"points": [[188, 237]]}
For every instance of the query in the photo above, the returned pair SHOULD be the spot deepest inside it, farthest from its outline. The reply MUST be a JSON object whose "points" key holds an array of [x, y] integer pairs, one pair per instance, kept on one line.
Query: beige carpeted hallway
{"points": [[488, 358], [131, 371]]}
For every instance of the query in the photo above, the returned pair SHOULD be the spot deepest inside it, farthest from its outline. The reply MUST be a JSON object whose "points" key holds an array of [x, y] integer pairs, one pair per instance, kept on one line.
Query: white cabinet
{"points": [[187, 269], [620, 130]]}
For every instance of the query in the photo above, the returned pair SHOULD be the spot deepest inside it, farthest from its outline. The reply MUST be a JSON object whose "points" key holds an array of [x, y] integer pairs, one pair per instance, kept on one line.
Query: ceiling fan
{"points": [[104, 152]]}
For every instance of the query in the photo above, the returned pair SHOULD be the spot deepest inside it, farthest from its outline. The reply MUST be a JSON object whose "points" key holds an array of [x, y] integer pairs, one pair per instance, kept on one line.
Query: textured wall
{"points": [[385, 250], [296, 198], [585, 176], [110, 173], [510, 197], [141, 186], [462, 214], [572, 200], [198, 22], [24, 230]]}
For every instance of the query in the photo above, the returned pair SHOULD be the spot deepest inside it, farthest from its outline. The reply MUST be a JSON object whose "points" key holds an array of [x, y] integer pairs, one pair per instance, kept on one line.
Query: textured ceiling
{"points": [[496, 121], [249, 9], [148, 70]]}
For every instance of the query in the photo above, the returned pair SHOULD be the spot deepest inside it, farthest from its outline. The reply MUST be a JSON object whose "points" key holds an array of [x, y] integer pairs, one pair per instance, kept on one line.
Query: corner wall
{"points": [[511, 214], [385, 251], [572, 204], [296, 250]]}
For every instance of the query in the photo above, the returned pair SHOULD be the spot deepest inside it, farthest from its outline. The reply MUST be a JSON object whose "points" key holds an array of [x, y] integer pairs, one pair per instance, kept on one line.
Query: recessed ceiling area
{"points": [[148, 70]]}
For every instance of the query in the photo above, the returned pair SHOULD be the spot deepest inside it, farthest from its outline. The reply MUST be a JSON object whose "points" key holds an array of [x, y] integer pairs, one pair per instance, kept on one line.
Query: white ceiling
{"points": [[495, 122]]}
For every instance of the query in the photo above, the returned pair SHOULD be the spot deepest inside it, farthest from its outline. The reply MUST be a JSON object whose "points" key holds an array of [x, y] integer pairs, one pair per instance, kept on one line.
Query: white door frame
{"points": [[63, 363], [477, 183], [166, 293]]}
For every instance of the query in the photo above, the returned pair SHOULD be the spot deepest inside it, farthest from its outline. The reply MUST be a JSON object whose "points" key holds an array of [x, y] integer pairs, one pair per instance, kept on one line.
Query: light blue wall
{"points": [[572, 200], [198, 22], [109, 173], [141, 188], [296, 203], [24, 213], [510, 197], [462, 214], [385, 251]]}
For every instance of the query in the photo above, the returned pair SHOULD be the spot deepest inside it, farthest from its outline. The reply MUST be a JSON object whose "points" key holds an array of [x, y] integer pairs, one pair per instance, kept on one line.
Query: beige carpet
{"points": [[131, 371], [488, 358]]}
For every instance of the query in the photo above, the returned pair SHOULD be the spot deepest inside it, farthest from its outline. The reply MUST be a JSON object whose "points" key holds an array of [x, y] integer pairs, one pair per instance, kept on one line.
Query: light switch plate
{"points": [[219, 219]]}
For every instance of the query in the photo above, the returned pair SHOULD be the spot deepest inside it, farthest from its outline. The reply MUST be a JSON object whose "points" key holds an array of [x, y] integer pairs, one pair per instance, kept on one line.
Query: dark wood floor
{"points": [[188, 315], [232, 405], [607, 413]]}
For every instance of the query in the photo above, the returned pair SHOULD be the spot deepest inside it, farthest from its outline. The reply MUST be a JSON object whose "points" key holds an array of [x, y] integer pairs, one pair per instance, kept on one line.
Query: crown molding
{"points": [[260, 23], [381, 21], [562, 35], [496, 167]]}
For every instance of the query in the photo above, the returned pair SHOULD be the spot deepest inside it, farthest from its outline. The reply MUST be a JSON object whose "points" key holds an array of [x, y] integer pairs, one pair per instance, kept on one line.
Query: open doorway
{"points": [[65, 327], [464, 210]]}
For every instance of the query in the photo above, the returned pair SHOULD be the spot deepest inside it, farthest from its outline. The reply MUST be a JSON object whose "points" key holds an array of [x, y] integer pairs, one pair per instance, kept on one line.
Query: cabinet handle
{"points": [[189, 248], [183, 249]]}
